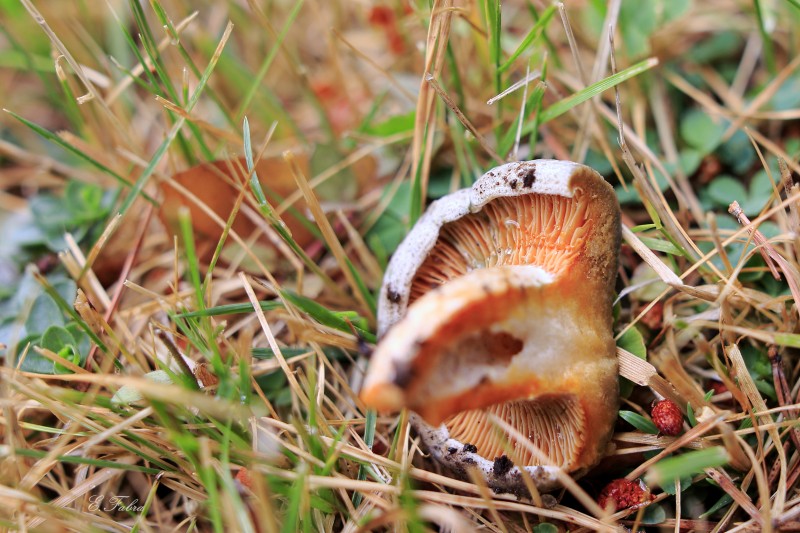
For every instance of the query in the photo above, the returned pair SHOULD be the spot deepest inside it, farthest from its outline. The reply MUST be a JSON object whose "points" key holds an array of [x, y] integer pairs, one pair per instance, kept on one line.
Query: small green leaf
{"points": [[81, 339], [61, 342], [760, 194], [725, 189], [639, 422], [672, 9], [44, 313], [687, 464], [646, 283], [701, 131], [55, 338], [633, 342], [128, 394], [726, 43], [68, 353], [545, 527], [737, 153], [690, 415], [637, 20], [654, 514], [722, 503], [393, 125], [670, 487]]}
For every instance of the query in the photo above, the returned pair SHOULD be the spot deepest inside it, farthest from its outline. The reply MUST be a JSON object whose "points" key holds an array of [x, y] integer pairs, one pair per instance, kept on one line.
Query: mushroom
{"points": [[498, 303]]}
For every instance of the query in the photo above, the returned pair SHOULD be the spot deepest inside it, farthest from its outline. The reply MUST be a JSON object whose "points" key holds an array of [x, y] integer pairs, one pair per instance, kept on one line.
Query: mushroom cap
{"points": [[498, 304]]}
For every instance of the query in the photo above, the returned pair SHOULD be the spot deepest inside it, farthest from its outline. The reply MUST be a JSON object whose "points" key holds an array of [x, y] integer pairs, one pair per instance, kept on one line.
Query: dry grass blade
{"points": [[769, 253], [529, 77], [463, 119], [327, 232]]}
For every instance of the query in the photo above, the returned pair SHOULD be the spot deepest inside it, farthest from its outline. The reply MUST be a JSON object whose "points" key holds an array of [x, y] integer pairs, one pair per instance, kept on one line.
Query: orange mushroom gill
{"points": [[498, 304]]}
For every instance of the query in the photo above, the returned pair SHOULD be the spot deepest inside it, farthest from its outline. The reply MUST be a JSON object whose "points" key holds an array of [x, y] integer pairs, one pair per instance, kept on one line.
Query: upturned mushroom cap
{"points": [[498, 304]]}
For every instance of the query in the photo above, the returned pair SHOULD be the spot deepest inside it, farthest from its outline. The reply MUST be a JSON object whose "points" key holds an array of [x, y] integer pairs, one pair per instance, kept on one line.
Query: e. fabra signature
{"points": [[115, 503]]}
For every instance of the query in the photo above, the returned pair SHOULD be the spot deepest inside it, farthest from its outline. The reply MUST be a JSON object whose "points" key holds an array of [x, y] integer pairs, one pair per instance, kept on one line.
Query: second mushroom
{"points": [[498, 307]]}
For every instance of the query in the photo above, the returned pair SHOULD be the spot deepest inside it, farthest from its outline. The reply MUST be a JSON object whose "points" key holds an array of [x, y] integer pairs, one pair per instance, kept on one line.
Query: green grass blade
{"points": [[173, 132], [151, 48], [262, 71], [231, 309], [493, 31], [534, 102], [456, 83], [369, 440], [269, 213], [19, 60], [562, 106], [362, 288], [324, 316], [551, 47], [493, 21], [255, 184], [417, 201], [55, 139], [766, 38], [166, 22], [639, 422], [78, 460], [533, 35], [791, 340], [185, 222], [661, 245], [537, 108], [724, 500], [297, 496]]}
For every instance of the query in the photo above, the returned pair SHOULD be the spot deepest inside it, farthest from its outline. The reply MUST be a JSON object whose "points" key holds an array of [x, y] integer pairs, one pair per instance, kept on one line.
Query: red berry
{"points": [[654, 318], [243, 477], [381, 16], [622, 493], [718, 387], [667, 417]]}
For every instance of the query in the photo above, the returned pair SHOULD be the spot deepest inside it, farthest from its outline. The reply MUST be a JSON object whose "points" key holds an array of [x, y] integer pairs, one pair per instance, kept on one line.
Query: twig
{"points": [[174, 352], [761, 241], [791, 273], [783, 391], [461, 117], [529, 77], [726, 484]]}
